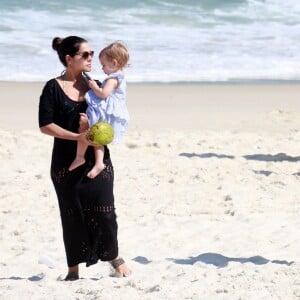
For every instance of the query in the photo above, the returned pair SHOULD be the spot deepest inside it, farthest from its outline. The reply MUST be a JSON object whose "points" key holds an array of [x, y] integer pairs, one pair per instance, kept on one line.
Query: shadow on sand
{"points": [[31, 278], [279, 157], [222, 261], [206, 155]]}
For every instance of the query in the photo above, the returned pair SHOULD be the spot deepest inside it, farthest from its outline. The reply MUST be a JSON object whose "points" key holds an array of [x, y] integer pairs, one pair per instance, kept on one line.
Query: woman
{"points": [[86, 205]]}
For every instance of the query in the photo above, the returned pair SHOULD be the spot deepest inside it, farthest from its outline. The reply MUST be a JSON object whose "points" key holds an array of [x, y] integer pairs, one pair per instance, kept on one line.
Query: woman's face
{"points": [[82, 60]]}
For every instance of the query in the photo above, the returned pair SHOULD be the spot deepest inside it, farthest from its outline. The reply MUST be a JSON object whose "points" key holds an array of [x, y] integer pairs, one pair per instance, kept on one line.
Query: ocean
{"points": [[169, 41]]}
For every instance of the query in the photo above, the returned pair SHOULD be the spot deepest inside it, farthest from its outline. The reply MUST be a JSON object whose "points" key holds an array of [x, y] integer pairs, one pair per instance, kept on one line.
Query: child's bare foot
{"points": [[76, 163], [96, 170]]}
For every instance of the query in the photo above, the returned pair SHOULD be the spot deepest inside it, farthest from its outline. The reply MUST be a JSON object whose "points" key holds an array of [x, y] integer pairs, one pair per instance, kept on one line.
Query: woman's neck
{"points": [[70, 76], [74, 85]]}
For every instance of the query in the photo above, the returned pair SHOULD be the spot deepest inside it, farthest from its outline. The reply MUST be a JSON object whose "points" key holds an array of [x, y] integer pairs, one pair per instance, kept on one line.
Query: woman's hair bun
{"points": [[56, 43]]}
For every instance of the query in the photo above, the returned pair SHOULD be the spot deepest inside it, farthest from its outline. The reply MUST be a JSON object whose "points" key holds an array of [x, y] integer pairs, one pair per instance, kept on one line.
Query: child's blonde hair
{"points": [[117, 51]]}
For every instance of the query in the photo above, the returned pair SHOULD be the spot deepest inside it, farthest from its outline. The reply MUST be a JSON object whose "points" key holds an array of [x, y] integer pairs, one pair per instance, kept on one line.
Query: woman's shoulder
{"points": [[51, 87], [51, 83]]}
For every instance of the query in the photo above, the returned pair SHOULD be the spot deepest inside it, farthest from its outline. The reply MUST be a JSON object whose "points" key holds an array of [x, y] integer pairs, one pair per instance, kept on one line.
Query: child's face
{"points": [[108, 66]]}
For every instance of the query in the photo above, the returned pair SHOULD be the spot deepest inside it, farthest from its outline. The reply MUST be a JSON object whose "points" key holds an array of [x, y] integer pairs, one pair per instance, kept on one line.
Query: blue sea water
{"points": [[169, 41]]}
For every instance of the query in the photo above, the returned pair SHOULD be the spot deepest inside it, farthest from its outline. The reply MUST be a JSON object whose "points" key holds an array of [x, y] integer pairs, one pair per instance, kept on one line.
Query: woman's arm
{"points": [[59, 132], [104, 92]]}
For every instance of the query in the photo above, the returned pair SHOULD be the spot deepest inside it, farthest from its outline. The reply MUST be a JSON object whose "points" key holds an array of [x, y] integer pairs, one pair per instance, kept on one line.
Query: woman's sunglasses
{"points": [[85, 54]]}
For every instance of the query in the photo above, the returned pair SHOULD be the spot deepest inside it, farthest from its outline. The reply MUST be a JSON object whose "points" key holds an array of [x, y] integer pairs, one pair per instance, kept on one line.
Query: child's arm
{"points": [[110, 85]]}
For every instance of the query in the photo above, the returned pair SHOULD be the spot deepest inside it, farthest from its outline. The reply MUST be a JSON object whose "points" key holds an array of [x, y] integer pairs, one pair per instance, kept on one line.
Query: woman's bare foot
{"points": [[121, 269], [76, 163], [72, 273], [96, 170]]}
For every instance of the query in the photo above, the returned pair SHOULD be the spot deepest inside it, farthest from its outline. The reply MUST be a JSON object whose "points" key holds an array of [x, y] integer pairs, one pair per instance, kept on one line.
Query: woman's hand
{"points": [[83, 123], [82, 138]]}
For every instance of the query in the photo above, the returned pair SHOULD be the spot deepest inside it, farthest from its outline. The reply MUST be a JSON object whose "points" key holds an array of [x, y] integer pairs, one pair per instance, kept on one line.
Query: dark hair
{"points": [[67, 46]]}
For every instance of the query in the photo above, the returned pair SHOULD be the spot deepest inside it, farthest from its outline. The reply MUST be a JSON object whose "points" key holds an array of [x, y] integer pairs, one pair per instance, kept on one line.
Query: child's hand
{"points": [[93, 85], [83, 123]]}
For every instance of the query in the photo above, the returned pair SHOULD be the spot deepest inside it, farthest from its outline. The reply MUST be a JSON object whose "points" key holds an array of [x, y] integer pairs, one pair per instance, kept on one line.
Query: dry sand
{"points": [[207, 196]]}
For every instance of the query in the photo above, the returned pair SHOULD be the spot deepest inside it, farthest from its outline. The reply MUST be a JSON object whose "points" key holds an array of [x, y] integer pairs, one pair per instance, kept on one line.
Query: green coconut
{"points": [[100, 133]]}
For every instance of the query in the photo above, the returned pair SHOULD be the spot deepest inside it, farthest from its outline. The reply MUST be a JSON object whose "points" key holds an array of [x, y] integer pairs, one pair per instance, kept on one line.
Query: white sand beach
{"points": [[207, 197]]}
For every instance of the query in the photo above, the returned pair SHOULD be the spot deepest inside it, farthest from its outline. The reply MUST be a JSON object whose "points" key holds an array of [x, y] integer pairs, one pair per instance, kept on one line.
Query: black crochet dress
{"points": [[86, 205]]}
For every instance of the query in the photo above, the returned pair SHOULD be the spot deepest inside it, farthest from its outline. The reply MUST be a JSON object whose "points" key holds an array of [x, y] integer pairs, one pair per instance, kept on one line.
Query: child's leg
{"points": [[79, 159], [99, 164]]}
